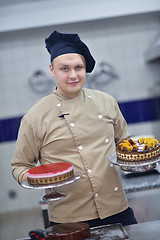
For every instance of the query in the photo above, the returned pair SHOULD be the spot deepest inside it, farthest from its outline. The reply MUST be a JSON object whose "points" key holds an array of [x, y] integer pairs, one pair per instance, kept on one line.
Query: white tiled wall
{"points": [[24, 198], [119, 41]]}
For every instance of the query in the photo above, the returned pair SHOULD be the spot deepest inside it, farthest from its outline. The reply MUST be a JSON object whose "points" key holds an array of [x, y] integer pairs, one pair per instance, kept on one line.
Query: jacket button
{"points": [[59, 104], [72, 124], [106, 140], [99, 116], [89, 171], [96, 195], [80, 148], [89, 97], [116, 189]]}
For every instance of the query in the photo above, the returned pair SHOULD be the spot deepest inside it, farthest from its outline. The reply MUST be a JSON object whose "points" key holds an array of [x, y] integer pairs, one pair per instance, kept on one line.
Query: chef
{"points": [[80, 126]]}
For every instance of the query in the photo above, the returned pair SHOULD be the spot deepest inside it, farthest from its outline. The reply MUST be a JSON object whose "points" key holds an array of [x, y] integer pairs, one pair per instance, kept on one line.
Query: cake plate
{"points": [[54, 194], [134, 167]]}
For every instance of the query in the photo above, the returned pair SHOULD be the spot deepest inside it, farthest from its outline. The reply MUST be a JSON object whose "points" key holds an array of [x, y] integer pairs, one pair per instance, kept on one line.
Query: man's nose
{"points": [[73, 74]]}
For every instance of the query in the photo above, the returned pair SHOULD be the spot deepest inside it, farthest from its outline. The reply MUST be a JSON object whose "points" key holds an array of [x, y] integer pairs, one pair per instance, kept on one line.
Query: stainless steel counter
{"points": [[141, 231], [144, 231], [133, 182], [143, 194]]}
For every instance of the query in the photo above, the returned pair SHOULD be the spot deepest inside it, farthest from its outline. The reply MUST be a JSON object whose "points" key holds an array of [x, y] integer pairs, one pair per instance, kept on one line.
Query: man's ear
{"points": [[52, 70]]}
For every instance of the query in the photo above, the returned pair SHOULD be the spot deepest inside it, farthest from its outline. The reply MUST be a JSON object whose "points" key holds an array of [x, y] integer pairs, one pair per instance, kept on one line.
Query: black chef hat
{"points": [[62, 43]]}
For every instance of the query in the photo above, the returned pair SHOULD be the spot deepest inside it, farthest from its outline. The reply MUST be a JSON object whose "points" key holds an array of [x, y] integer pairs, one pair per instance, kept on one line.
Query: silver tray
{"points": [[92, 237], [106, 232], [134, 167], [110, 232], [76, 176], [54, 194]]}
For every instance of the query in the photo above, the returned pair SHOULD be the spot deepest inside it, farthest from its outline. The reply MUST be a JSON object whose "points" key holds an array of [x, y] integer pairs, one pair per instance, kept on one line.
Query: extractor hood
{"points": [[153, 51]]}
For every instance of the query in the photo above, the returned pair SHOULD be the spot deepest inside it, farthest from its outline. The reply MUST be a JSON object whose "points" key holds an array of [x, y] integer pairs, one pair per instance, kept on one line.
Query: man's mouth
{"points": [[75, 82]]}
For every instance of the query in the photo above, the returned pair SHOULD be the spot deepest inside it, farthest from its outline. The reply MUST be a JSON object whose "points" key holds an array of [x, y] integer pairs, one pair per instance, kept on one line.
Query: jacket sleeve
{"points": [[120, 126], [26, 152]]}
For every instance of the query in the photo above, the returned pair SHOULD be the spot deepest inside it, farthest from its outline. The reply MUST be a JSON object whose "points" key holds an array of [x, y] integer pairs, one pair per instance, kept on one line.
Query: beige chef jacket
{"points": [[85, 136]]}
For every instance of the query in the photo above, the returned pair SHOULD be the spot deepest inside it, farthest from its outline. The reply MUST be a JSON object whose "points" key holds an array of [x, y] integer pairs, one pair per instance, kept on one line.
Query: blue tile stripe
{"points": [[133, 111], [9, 129], [141, 110]]}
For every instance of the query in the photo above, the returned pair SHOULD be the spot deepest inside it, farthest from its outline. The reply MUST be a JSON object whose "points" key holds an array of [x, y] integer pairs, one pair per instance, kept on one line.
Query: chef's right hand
{"points": [[24, 177]]}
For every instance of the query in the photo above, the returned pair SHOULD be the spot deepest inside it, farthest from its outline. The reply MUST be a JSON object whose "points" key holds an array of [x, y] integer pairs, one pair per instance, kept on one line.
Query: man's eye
{"points": [[64, 68], [79, 67]]}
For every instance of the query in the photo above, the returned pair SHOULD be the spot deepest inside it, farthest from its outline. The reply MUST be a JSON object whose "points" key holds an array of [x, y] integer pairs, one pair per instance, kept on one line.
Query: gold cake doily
{"points": [[50, 180]]}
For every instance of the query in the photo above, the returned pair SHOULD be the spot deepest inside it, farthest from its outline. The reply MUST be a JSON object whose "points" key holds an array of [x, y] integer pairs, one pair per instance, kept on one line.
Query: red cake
{"points": [[50, 173], [140, 151], [68, 231]]}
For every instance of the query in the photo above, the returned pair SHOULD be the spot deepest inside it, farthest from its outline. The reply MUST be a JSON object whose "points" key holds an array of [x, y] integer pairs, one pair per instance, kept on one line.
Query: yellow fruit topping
{"points": [[124, 144], [125, 141], [147, 140], [141, 140], [130, 145], [152, 143], [156, 141]]}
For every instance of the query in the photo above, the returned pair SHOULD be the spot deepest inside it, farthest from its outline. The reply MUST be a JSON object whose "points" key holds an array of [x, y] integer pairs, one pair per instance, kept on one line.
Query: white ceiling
{"points": [[25, 14]]}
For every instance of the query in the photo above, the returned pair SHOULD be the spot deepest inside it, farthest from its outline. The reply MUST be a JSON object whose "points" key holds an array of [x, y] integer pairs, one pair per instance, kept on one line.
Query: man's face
{"points": [[69, 71]]}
